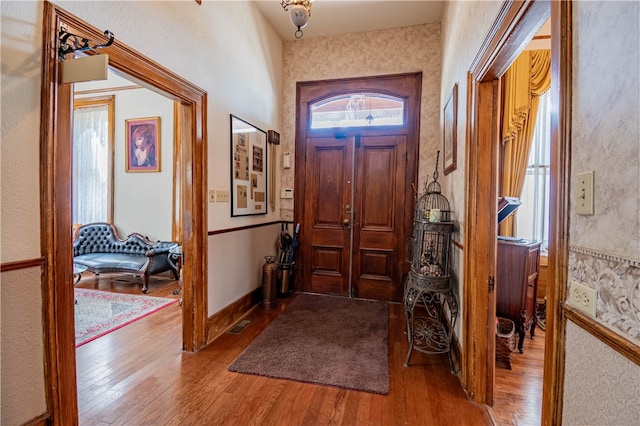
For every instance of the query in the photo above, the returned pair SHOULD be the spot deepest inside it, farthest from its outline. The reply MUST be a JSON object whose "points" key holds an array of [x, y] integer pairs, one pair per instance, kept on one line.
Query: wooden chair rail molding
{"points": [[457, 244], [242, 228], [21, 264], [604, 334]]}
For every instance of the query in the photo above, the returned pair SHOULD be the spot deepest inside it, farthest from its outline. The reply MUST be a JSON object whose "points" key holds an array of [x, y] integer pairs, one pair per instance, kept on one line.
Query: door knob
{"points": [[346, 222]]}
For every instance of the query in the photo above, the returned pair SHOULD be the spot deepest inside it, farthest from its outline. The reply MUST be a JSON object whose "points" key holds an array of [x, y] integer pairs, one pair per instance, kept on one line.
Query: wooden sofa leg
{"points": [[145, 282]]}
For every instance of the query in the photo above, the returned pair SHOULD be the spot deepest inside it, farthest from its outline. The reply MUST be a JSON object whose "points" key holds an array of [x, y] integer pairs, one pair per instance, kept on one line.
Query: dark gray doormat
{"points": [[324, 340]]}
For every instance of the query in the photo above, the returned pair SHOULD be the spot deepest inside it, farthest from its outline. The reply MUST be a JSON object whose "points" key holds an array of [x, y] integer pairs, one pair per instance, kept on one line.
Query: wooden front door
{"points": [[356, 198]]}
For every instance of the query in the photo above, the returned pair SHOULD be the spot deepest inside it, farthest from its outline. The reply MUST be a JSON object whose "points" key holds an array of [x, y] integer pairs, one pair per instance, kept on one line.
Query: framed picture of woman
{"points": [[143, 144]]}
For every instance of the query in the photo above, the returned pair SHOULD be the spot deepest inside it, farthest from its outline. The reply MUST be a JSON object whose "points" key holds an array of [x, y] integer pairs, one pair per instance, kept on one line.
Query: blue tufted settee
{"points": [[98, 247]]}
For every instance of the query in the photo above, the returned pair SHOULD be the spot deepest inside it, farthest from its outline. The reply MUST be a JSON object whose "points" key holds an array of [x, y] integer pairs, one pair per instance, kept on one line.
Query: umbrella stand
{"points": [[286, 257]]}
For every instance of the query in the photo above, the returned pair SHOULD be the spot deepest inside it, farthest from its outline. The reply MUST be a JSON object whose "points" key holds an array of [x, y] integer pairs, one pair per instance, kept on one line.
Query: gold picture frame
{"points": [[142, 144], [449, 139]]}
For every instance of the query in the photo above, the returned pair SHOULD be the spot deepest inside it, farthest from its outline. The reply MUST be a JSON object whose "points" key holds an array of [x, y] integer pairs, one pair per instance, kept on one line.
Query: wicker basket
{"points": [[506, 340]]}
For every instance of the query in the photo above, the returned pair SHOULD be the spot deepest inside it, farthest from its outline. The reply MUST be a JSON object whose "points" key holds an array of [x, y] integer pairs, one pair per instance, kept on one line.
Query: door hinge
{"points": [[492, 283]]}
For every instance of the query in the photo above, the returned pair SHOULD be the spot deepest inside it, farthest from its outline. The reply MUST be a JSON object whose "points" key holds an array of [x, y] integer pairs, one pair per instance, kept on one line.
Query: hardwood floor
{"points": [[138, 375], [518, 392]]}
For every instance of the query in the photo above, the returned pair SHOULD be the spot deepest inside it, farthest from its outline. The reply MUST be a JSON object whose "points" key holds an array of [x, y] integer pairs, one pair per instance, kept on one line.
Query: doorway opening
{"points": [[107, 187], [56, 155], [515, 26]]}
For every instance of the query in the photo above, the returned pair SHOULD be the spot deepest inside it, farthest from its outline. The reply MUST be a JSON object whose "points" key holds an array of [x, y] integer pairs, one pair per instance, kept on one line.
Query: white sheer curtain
{"points": [[91, 164], [533, 216]]}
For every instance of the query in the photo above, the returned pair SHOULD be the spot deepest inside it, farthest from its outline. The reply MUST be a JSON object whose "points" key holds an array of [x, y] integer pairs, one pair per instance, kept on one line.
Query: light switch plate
{"points": [[222, 196], [584, 194]]}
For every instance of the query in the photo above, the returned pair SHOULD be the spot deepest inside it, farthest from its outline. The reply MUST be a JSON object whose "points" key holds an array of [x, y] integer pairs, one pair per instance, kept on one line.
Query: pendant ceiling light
{"points": [[299, 12]]}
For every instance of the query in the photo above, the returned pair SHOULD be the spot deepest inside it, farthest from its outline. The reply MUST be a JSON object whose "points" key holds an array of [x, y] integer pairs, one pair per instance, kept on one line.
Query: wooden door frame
{"points": [[308, 92], [514, 26], [55, 201]]}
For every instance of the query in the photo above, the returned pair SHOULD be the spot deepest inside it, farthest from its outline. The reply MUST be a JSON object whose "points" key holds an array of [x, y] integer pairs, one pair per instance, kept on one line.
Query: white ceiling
{"points": [[333, 17]]}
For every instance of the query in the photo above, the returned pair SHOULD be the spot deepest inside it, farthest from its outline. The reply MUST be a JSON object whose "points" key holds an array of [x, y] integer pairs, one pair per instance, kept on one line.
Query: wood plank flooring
{"points": [[138, 375], [518, 392]]}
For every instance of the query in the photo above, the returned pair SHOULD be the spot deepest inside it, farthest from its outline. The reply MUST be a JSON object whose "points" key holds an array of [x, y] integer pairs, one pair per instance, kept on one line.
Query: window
{"points": [[92, 182], [354, 110], [533, 221]]}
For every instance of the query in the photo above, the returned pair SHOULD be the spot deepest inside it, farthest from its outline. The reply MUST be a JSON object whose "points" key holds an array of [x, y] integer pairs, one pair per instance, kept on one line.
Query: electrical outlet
{"points": [[212, 195], [222, 196], [583, 298]]}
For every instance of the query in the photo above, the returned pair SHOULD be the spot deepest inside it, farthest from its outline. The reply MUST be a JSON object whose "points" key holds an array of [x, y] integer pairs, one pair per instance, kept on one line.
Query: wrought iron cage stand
{"points": [[431, 306]]}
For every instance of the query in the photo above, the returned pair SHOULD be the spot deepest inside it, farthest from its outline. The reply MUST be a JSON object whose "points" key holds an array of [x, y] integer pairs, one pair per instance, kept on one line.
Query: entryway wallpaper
{"points": [[394, 51], [617, 284]]}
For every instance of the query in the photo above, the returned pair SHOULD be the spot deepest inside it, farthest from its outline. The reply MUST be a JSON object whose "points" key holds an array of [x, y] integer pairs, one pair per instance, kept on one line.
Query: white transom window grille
{"points": [[357, 110]]}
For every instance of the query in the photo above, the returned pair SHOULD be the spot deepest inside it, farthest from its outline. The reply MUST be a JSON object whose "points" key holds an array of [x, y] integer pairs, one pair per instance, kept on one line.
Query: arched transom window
{"points": [[356, 110]]}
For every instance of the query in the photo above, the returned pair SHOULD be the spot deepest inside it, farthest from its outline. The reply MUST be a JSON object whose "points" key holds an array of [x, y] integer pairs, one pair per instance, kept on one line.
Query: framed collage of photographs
{"points": [[248, 168]]}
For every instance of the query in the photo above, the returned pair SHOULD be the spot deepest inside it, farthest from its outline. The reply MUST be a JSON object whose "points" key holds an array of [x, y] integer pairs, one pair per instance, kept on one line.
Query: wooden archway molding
{"points": [[515, 25], [55, 181]]}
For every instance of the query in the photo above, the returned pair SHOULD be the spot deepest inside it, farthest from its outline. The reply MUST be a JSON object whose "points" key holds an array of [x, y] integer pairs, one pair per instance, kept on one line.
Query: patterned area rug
{"points": [[99, 312], [325, 340]]}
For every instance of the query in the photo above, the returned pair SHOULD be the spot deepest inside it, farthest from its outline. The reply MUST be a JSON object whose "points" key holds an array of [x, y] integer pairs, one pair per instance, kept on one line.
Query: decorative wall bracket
{"points": [[70, 43]]}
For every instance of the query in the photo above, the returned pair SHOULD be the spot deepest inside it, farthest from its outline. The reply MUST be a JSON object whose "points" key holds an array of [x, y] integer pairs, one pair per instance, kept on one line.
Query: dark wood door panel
{"points": [[377, 213], [328, 271], [329, 179], [378, 227], [376, 264], [376, 274], [325, 245]]}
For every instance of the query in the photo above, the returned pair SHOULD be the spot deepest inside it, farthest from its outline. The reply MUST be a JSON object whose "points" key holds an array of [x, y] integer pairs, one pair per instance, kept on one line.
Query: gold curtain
{"points": [[523, 84]]}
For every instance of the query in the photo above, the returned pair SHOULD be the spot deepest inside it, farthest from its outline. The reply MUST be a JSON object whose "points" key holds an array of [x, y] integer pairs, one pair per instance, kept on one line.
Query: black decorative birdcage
{"points": [[432, 206], [431, 253], [431, 239]]}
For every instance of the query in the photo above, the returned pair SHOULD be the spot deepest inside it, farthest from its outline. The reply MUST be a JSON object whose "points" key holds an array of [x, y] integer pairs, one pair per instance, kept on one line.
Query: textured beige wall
{"points": [[601, 386], [22, 366], [464, 28], [20, 131], [226, 48]]}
